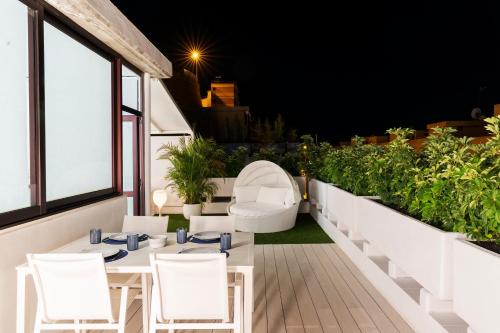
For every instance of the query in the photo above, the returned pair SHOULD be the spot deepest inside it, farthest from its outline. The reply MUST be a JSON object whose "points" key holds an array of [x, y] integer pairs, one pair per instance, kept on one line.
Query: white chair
{"points": [[211, 223], [151, 225], [72, 288], [192, 287], [265, 199]]}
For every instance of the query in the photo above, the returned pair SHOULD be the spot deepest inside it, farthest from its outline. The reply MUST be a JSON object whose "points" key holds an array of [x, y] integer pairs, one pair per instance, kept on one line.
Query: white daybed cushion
{"points": [[246, 193], [255, 209], [272, 195]]}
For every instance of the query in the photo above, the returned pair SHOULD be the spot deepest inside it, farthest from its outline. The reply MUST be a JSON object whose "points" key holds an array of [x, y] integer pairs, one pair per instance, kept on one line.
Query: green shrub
{"points": [[477, 184], [236, 161], [193, 162], [430, 193], [390, 171]]}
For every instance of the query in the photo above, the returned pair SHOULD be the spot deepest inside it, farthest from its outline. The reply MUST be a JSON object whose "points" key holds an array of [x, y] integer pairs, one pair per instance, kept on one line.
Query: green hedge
{"points": [[451, 183]]}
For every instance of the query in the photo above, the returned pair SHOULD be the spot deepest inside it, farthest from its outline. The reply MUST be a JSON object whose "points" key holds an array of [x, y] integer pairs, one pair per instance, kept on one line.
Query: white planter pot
{"points": [[420, 250], [191, 210], [476, 288], [224, 186]]}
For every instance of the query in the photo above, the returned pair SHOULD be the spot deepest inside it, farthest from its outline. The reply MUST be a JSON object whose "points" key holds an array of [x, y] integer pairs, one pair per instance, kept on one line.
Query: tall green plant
{"points": [[477, 184], [431, 193], [193, 163], [390, 172]]}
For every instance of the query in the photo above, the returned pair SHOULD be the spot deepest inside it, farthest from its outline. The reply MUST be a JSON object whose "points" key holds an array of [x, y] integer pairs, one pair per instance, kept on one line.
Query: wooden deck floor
{"points": [[309, 288]]}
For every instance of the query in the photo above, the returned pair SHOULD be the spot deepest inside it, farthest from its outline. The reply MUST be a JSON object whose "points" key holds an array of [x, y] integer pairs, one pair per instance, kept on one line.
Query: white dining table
{"points": [[240, 260]]}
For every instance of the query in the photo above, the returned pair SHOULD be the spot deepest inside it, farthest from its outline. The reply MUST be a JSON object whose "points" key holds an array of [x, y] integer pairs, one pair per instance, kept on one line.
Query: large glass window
{"points": [[15, 189], [78, 117]]}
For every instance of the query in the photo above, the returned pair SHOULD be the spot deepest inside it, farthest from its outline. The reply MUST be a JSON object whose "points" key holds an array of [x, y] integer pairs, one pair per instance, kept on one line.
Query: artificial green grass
{"points": [[306, 231]]}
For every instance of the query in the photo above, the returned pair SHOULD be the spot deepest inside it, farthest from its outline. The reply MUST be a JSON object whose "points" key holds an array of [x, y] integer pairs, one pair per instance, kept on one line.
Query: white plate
{"points": [[208, 235], [200, 250], [105, 252], [121, 236]]}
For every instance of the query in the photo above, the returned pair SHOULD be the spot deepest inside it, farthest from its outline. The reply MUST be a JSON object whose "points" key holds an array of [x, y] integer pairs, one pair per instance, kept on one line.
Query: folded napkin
{"points": [[108, 240], [203, 241], [121, 254]]}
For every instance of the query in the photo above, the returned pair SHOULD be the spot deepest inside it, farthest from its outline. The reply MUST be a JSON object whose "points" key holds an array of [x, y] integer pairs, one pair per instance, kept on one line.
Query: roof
{"points": [[104, 21]]}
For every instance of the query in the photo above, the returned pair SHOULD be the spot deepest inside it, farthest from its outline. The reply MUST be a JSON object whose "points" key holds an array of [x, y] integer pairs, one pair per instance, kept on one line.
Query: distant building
{"points": [[221, 93], [219, 115]]}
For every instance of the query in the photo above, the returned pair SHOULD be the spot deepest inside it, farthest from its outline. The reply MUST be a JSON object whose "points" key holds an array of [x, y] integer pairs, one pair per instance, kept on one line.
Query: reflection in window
{"points": [[15, 190], [78, 117]]}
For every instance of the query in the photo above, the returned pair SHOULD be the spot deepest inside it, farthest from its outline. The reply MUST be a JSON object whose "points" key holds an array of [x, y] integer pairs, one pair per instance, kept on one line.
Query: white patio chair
{"points": [[211, 223], [72, 289], [150, 225], [192, 287]]}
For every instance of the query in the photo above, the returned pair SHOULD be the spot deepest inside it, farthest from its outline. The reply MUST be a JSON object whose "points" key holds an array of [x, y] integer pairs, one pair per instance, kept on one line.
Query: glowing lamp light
{"points": [[195, 55], [160, 199]]}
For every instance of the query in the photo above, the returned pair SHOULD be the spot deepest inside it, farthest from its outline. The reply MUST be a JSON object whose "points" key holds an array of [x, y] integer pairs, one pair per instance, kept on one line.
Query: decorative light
{"points": [[195, 55], [160, 199]]}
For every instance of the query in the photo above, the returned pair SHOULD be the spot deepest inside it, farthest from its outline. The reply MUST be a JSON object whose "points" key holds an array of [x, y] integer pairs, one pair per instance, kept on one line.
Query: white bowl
{"points": [[157, 241]]}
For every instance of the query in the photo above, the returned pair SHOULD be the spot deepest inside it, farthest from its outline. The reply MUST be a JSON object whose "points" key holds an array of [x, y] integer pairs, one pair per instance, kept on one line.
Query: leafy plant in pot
{"points": [[193, 162]]}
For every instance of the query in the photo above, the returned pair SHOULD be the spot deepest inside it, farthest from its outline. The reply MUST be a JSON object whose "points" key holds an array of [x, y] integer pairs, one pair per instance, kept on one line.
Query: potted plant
{"points": [[193, 162]]}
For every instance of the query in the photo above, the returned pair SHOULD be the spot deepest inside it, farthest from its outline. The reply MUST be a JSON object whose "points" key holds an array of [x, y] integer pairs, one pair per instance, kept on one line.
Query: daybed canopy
{"points": [[266, 198]]}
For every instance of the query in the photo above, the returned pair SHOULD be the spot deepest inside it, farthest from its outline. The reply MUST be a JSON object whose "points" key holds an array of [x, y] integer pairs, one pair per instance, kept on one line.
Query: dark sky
{"points": [[338, 71]]}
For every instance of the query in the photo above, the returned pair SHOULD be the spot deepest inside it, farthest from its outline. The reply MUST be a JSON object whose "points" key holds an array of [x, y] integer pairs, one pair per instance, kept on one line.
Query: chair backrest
{"points": [[190, 286], [71, 286], [151, 225], [211, 223]]}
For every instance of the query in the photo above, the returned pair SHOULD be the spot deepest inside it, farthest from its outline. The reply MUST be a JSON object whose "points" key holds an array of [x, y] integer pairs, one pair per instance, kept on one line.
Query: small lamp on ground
{"points": [[160, 199]]}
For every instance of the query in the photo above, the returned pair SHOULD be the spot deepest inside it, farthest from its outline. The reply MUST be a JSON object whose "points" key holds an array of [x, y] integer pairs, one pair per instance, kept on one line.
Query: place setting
{"points": [[205, 237], [109, 254]]}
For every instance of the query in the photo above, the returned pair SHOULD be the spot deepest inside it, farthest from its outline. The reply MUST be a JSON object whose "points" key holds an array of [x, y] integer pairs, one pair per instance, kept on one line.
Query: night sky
{"points": [[339, 71]]}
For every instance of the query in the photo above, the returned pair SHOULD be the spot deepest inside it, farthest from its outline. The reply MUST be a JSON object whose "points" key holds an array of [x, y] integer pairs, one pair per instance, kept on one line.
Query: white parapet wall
{"points": [[476, 287], [43, 235], [425, 253], [409, 262]]}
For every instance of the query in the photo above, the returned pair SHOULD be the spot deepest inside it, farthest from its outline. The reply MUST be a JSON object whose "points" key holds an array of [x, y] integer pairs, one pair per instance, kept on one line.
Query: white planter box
{"points": [[318, 193], [343, 208], [225, 186], [422, 251], [476, 287]]}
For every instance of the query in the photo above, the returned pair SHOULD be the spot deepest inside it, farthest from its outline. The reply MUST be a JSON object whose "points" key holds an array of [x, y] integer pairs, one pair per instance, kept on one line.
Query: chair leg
{"points": [[76, 321], [122, 317], [152, 312], [238, 306], [38, 320], [171, 330]]}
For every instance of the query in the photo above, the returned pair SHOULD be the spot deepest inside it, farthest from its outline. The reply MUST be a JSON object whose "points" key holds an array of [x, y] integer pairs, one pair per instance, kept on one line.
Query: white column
{"points": [[147, 143]]}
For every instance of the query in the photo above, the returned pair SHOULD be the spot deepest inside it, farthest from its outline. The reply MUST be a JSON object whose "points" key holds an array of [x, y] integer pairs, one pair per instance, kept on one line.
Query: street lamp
{"points": [[195, 57]]}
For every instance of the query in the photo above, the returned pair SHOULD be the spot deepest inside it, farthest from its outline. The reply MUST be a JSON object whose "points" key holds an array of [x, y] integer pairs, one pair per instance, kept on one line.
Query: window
{"points": [[15, 87], [61, 117], [78, 117]]}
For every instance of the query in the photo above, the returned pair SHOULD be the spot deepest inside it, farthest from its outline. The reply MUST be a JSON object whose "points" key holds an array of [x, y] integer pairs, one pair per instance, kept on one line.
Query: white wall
{"points": [[44, 235]]}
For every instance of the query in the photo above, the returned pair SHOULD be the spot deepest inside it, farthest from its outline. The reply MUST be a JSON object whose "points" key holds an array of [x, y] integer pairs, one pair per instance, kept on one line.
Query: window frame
{"points": [[40, 207], [139, 205]]}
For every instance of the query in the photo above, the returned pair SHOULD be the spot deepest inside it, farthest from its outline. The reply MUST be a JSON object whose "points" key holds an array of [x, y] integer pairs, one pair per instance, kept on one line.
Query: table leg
{"points": [[21, 300], [248, 299], [146, 302]]}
